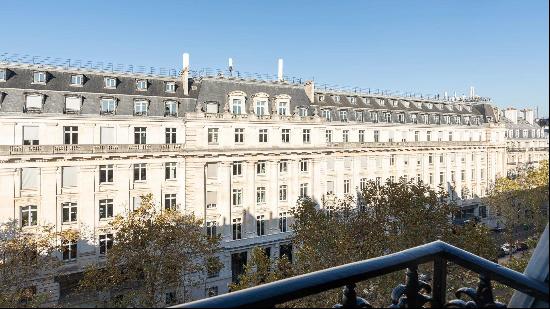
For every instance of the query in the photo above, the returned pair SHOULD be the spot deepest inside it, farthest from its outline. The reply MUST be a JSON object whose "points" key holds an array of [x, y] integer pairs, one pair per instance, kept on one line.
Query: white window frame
{"points": [[213, 136], [141, 107], [262, 136], [260, 195], [343, 116], [39, 77], [171, 108], [105, 209], [77, 80], [71, 210], [285, 136], [237, 169], [170, 87], [304, 166], [283, 193], [327, 114], [170, 171], [261, 168], [306, 136], [110, 82], [282, 108], [29, 215], [108, 106], [237, 197], [141, 85]]}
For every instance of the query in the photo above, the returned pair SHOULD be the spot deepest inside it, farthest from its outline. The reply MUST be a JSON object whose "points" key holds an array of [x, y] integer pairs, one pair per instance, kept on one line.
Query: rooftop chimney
{"points": [[280, 71], [230, 66], [310, 90], [511, 114], [472, 92], [185, 74]]}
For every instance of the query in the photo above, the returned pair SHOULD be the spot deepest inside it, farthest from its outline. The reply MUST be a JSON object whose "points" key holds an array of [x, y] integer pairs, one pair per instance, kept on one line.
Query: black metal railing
{"points": [[414, 293]]}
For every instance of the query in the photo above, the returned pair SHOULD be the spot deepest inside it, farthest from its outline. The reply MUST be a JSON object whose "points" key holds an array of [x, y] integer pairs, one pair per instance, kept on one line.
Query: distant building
{"points": [[80, 145]]}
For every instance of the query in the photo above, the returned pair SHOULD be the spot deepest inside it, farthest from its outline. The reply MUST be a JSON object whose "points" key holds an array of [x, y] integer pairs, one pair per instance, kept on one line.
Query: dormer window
{"points": [[336, 98], [3, 75], [394, 103], [212, 107], [140, 108], [327, 114], [73, 104], [282, 108], [388, 117], [77, 80], [425, 119], [401, 118], [374, 117], [141, 84], [39, 77], [446, 119], [237, 106], [302, 112], [414, 118], [110, 82], [321, 98], [458, 120], [359, 116], [108, 106], [171, 108], [34, 103], [353, 100], [343, 116], [170, 87], [437, 119], [261, 108]]}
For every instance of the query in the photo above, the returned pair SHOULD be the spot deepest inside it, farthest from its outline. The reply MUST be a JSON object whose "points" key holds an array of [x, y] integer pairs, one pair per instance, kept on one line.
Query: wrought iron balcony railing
{"points": [[414, 293]]}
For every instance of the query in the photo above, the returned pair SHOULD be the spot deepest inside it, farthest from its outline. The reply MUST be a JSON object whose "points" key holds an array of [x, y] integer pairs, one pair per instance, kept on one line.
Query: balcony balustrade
{"points": [[415, 292]]}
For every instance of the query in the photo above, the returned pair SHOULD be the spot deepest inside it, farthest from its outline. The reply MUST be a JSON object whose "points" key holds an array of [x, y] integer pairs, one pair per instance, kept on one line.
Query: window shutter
{"points": [[30, 178], [73, 103], [70, 176], [30, 133], [107, 135], [34, 101]]}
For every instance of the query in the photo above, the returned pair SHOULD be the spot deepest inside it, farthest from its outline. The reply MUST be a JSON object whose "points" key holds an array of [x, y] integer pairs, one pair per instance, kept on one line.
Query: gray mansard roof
{"points": [[218, 89]]}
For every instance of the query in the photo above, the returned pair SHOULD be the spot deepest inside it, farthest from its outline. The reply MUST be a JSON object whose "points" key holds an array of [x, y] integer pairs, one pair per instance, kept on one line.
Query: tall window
{"points": [[416, 136], [450, 136], [283, 166], [283, 222], [282, 108], [429, 136], [303, 189], [170, 201], [211, 227], [211, 199], [363, 184], [261, 108], [376, 136], [361, 136], [343, 116], [213, 136], [140, 135], [345, 136], [237, 168], [306, 136], [69, 211], [170, 170], [237, 106], [140, 172], [70, 135], [347, 186], [388, 117], [401, 118], [69, 250], [260, 225], [140, 108], [283, 192], [108, 106], [359, 116], [105, 208], [414, 118], [262, 135], [260, 195], [328, 136], [237, 197], [170, 135], [106, 173], [239, 135], [304, 165], [330, 187], [171, 108], [260, 168], [29, 215], [285, 135], [392, 159], [105, 243], [237, 228]]}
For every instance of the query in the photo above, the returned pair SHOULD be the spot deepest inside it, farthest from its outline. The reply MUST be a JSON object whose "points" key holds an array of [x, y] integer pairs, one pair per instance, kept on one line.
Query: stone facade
{"points": [[234, 152]]}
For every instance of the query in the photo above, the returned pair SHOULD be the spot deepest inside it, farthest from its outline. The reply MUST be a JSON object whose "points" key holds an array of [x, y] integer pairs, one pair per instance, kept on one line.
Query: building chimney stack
{"points": [[185, 74], [230, 66], [280, 71]]}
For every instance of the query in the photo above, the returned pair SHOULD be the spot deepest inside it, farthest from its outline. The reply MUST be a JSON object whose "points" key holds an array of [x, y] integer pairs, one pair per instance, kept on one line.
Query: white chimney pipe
{"points": [[280, 70], [446, 96], [185, 74], [230, 64]]}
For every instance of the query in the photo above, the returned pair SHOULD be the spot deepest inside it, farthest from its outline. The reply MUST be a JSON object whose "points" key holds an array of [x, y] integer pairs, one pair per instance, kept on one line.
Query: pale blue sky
{"points": [[500, 47]]}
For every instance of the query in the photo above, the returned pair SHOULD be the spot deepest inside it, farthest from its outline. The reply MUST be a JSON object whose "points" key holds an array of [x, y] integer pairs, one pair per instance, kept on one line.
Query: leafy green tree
{"points": [[381, 220], [521, 201], [153, 253], [28, 258]]}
